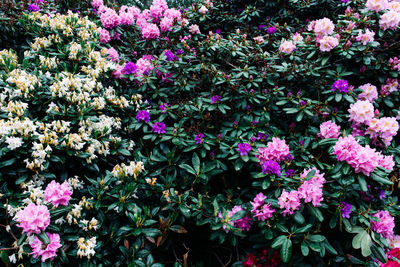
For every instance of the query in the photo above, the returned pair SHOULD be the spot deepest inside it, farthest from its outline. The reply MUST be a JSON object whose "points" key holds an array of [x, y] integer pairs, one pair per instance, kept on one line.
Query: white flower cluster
{"points": [[133, 169]]}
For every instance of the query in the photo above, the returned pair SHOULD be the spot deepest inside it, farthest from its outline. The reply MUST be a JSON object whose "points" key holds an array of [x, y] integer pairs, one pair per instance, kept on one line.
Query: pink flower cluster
{"points": [[310, 190], [244, 223], [377, 5], [143, 65], [322, 27], [369, 92], [146, 20], [362, 159], [46, 251], [329, 129], [33, 218], [390, 86], [276, 150], [361, 112], [113, 54], [261, 210], [384, 128], [366, 37], [389, 20], [287, 47], [109, 18], [327, 43], [385, 225], [58, 194], [395, 63]]}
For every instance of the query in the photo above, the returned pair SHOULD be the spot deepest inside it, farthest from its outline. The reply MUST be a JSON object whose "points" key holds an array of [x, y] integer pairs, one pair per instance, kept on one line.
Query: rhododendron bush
{"points": [[214, 133]]}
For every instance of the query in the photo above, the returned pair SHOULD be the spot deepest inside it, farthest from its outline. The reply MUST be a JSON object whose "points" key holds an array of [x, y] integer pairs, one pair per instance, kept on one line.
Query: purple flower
{"points": [[341, 85], [288, 157], [159, 127], [170, 56], [235, 124], [215, 99], [129, 68], [302, 103], [271, 30], [38, 2], [143, 115], [289, 95], [244, 149], [254, 124], [163, 107], [252, 140], [290, 173], [382, 194], [199, 138], [179, 52], [219, 137], [218, 31], [33, 8], [271, 167], [262, 136], [262, 26], [301, 142], [345, 209]]}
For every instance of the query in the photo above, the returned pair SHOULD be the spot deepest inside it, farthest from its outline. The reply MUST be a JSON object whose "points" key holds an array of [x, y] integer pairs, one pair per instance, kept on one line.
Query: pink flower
{"points": [[369, 92], [366, 37], [113, 54], [173, 14], [329, 129], [109, 18], [386, 162], [384, 128], [244, 223], [97, 3], [156, 11], [58, 194], [385, 225], [203, 10], [311, 190], [104, 35], [261, 211], [297, 38], [365, 160], [46, 251], [289, 201], [389, 20], [346, 148], [143, 65], [287, 47], [33, 218], [150, 31], [361, 112], [258, 39], [126, 17], [275, 150], [376, 5], [327, 43], [322, 27], [166, 24], [194, 29]]}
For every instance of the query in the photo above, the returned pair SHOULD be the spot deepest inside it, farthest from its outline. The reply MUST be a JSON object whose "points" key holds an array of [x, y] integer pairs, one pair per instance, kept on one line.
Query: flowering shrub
{"points": [[220, 133]]}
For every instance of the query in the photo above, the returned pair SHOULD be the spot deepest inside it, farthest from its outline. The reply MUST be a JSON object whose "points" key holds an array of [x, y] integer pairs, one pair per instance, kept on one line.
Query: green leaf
{"points": [[196, 162], [362, 183], [151, 232], [286, 250], [316, 238], [316, 213], [7, 162], [277, 243], [380, 179], [299, 116], [44, 238], [304, 249], [378, 253], [22, 239], [298, 217]]}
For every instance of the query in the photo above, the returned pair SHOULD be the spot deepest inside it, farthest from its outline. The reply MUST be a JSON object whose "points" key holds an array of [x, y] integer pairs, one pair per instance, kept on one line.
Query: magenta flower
{"points": [[244, 149], [129, 68], [143, 115], [215, 99], [33, 8], [340, 85], [58, 194], [345, 209], [199, 138], [271, 167], [261, 210], [33, 218], [159, 127], [46, 251], [385, 225]]}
